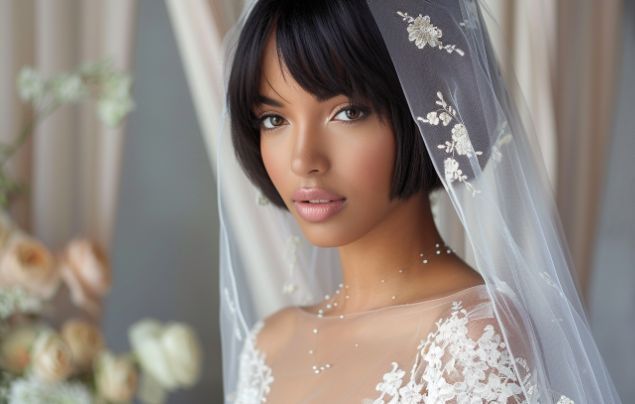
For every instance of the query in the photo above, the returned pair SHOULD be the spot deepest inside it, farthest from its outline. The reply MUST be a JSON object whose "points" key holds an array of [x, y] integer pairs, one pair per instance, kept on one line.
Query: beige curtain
{"points": [[588, 39], [564, 57], [73, 162]]}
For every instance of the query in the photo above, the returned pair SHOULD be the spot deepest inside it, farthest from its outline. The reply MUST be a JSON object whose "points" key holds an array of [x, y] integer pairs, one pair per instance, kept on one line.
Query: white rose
{"points": [[116, 377], [171, 354], [84, 340], [51, 357], [15, 348]]}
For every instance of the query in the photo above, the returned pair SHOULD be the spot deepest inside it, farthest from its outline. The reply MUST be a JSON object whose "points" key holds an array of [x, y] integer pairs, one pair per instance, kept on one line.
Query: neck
{"points": [[385, 266]]}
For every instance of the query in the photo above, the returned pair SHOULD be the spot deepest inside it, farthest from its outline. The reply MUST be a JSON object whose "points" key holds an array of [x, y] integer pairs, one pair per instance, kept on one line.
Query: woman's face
{"points": [[332, 146]]}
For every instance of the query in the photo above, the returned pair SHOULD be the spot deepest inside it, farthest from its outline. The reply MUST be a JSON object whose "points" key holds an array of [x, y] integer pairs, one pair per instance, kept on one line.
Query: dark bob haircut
{"points": [[330, 47]]}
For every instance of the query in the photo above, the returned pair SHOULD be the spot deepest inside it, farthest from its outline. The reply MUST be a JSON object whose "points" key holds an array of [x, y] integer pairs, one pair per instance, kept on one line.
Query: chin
{"points": [[328, 235]]}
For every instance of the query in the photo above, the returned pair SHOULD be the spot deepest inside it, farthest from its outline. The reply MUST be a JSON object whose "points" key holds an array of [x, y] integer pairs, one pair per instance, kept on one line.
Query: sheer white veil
{"points": [[486, 154]]}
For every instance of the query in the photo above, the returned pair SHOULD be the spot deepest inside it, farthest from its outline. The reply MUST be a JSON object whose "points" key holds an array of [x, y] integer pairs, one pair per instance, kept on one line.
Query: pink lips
{"points": [[325, 204]]}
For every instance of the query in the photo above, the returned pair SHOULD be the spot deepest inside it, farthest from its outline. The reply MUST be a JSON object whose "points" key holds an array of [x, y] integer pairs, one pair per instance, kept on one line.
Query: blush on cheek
{"points": [[274, 163], [370, 166]]}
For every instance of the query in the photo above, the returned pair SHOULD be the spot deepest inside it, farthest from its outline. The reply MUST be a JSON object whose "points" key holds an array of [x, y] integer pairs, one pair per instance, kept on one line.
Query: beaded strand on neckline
{"points": [[330, 303]]}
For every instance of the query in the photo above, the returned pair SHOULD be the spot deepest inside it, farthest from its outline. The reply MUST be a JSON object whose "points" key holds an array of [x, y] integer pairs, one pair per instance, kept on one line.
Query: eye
{"points": [[351, 113], [270, 121]]}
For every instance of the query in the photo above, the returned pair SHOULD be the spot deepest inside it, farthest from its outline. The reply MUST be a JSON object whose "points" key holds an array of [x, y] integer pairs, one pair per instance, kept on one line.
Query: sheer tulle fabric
{"points": [[528, 315]]}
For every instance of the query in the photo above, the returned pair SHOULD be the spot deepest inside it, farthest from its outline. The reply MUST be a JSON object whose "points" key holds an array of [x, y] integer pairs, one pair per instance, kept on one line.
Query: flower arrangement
{"points": [[70, 363]]}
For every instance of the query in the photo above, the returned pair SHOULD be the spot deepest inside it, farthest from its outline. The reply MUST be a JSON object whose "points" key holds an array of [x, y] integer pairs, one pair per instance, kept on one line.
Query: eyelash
{"points": [[364, 110]]}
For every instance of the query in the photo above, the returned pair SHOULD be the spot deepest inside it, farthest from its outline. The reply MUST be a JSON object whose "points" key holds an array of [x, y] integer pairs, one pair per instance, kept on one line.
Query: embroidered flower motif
{"points": [[496, 154], [460, 143], [392, 380], [261, 199], [291, 257], [422, 32], [565, 400], [452, 366]]}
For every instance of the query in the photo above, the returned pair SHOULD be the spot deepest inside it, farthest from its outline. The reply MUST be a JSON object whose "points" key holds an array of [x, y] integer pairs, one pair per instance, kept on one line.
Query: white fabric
{"points": [[442, 350]]}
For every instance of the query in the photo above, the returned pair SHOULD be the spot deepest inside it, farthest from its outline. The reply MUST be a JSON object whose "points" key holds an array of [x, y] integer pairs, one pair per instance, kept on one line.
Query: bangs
{"points": [[328, 51]]}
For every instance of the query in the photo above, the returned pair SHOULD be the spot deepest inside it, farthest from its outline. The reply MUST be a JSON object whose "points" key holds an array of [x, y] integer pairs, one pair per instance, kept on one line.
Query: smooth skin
{"points": [[349, 150]]}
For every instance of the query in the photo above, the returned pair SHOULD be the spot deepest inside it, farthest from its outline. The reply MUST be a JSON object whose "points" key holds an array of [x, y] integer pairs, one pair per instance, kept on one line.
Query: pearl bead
{"points": [[394, 297], [315, 331], [310, 352]]}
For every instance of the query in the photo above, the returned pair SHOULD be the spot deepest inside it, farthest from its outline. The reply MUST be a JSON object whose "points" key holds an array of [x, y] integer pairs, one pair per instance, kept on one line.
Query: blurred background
{"points": [[146, 190]]}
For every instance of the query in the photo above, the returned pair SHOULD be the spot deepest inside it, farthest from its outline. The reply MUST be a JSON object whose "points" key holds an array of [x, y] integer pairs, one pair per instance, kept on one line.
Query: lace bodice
{"points": [[462, 358]]}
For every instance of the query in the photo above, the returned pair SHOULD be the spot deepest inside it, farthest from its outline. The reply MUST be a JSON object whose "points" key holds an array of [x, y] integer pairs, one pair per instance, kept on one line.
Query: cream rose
{"points": [[16, 345], [84, 340], [86, 270], [170, 353], [27, 263], [116, 377], [51, 357]]}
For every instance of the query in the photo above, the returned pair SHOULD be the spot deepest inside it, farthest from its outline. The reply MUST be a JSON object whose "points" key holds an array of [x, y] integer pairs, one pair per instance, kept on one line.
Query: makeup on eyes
{"points": [[365, 111]]}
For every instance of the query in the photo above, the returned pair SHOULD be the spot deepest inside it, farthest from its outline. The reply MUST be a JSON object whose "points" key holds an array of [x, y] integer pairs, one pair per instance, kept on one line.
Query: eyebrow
{"points": [[261, 99]]}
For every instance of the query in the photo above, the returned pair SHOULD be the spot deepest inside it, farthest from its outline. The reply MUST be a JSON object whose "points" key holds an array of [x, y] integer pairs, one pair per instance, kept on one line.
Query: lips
{"points": [[317, 204]]}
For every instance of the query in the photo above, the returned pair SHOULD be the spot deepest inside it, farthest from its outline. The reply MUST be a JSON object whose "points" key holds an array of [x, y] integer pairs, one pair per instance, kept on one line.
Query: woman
{"points": [[346, 116]]}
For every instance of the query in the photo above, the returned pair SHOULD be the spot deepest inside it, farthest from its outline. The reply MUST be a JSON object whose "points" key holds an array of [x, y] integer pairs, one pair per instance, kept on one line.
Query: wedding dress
{"points": [[521, 337], [441, 350]]}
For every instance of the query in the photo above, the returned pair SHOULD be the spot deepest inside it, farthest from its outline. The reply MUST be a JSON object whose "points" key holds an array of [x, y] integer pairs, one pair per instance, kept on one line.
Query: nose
{"points": [[309, 153]]}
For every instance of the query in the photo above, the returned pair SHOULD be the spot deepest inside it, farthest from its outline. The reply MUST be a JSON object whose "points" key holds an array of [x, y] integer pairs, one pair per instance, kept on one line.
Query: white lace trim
{"points": [[449, 364], [255, 376], [452, 367]]}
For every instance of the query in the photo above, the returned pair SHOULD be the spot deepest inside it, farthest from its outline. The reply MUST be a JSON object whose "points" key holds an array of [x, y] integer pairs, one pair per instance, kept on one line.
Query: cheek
{"points": [[367, 163], [274, 158]]}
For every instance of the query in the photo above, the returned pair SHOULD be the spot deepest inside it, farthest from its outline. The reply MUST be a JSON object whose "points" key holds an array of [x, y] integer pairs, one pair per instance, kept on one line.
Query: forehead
{"points": [[276, 78]]}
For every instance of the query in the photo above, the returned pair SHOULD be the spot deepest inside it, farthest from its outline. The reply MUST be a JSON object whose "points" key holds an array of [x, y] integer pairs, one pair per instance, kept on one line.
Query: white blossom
{"points": [[29, 390], [31, 85], [68, 88]]}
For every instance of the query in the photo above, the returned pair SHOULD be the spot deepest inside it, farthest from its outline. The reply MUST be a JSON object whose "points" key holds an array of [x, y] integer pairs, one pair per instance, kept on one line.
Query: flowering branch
{"points": [[111, 89]]}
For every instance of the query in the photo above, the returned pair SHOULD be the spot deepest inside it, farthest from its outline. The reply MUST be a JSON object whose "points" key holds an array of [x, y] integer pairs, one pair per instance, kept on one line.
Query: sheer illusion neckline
{"points": [[419, 303]]}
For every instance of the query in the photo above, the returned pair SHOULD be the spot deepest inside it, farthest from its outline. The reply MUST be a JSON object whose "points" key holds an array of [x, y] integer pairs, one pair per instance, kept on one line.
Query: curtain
{"points": [[587, 60], [72, 162]]}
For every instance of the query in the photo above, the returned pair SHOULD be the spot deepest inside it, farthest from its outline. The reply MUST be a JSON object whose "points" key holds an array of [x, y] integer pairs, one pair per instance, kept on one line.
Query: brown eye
{"points": [[271, 121], [351, 114]]}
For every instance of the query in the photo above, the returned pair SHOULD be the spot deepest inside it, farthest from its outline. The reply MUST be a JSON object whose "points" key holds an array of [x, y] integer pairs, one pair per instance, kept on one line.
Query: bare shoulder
{"points": [[275, 330]]}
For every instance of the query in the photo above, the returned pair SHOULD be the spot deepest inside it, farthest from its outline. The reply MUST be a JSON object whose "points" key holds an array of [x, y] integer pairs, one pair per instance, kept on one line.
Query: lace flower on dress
{"points": [[422, 32], [452, 367], [460, 142], [255, 376]]}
